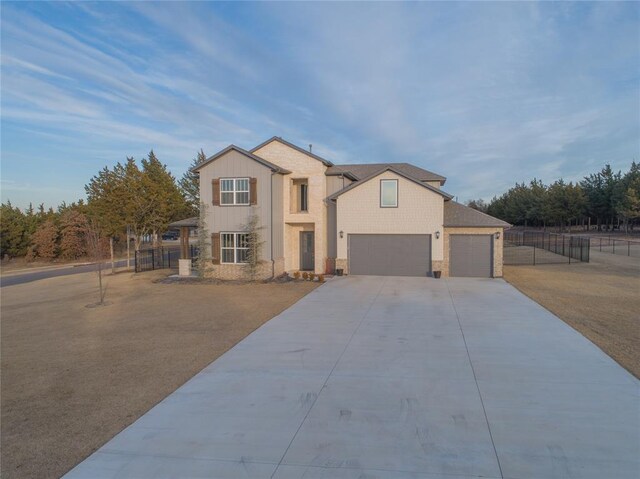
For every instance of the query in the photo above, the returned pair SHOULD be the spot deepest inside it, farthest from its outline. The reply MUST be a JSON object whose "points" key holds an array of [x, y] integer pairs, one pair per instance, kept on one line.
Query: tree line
{"points": [[605, 199], [141, 199]]}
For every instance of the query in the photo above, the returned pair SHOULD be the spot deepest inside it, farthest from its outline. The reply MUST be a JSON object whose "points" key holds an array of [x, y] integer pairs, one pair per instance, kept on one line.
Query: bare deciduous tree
{"points": [[95, 245]]}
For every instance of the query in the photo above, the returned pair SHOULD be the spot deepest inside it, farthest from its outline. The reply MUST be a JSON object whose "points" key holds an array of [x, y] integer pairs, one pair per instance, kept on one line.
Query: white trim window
{"points": [[388, 193], [234, 247], [234, 191]]}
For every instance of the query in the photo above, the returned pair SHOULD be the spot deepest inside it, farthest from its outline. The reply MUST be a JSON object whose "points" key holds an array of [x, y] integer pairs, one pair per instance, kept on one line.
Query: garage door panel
{"points": [[471, 255], [390, 255]]}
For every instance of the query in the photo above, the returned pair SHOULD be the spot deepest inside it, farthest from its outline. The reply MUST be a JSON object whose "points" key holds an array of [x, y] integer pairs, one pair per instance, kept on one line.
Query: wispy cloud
{"points": [[486, 94]]}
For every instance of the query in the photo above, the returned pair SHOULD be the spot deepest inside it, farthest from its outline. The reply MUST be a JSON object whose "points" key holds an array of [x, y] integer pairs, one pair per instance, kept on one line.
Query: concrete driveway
{"points": [[394, 378]]}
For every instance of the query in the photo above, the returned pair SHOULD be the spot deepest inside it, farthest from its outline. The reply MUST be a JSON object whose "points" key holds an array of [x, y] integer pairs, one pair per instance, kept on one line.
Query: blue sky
{"points": [[485, 94]]}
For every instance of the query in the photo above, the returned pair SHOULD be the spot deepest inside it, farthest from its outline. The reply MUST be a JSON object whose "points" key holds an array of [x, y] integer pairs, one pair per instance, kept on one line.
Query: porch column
{"points": [[184, 242]]}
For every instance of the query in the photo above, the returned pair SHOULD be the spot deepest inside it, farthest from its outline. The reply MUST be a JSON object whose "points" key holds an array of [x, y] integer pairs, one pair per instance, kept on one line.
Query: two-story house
{"points": [[383, 219]]}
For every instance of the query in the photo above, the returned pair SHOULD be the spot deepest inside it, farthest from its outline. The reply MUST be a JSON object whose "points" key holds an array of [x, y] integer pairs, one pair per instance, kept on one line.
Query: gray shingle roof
{"points": [[187, 222], [456, 214], [364, 170]]}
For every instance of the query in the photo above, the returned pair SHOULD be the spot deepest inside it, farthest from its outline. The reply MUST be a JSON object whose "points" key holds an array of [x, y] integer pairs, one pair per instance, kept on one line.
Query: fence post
{"points": [[628, 248], [534, 255], [614, 246], [570, 248], [153, 260]]}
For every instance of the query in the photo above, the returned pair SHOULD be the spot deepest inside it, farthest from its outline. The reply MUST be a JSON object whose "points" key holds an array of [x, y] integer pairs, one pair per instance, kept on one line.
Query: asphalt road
{"points": [[28, 277]]}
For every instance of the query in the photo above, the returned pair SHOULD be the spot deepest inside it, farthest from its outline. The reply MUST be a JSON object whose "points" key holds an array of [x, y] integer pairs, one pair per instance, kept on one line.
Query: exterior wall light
{"points": [[498, 235], [341, 234], [437, 234]]}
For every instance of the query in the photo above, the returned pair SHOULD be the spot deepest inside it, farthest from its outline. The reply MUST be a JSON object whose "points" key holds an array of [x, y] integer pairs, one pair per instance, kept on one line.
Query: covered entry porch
{"points": [[302, 245]]}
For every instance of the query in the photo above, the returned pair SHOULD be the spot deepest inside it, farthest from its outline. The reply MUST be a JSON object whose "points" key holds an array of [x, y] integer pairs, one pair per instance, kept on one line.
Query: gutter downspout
{"points": [[273, 264]]}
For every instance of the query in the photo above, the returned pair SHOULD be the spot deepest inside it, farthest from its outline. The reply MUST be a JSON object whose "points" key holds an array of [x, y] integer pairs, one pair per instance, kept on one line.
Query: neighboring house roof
{"points": [[291, 145], [359, 171], [459, 215], [390, 167], [271, 166], [188, 222]]}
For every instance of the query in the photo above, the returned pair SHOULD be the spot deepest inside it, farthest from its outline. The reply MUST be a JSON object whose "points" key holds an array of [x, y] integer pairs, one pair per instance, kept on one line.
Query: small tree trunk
{"points": [[100, 283], [113, 262]]}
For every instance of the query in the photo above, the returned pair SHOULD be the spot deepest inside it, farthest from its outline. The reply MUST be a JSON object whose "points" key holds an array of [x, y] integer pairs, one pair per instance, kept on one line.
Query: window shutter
{"points": [[215, 248], [253, 191], [215, 189]]}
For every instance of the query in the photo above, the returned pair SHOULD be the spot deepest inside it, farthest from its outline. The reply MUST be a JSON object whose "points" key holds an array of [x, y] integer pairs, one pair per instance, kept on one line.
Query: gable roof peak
{"points": [[391, 167], [279, 139], [262, 161]]}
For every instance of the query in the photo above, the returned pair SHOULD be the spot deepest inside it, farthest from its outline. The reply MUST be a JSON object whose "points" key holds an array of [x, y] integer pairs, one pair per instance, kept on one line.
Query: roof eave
{"points": [[476, 226]]}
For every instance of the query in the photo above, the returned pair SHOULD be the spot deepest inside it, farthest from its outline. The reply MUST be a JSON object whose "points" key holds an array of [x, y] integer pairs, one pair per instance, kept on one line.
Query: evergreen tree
{"points": [[73, 231], [599, 190], [564, 203], [14, 240], [190, 184], [106, 200], [626, 196], [478, 204], [44, 243], [161, 189]]}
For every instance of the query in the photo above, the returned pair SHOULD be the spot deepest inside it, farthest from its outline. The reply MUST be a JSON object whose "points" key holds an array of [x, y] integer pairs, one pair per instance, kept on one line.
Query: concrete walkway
{"points": [[394, 378]]}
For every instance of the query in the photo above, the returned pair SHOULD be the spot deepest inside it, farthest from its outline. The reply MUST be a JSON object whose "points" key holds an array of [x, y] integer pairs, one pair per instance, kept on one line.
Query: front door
{"points": [[306, 251]]}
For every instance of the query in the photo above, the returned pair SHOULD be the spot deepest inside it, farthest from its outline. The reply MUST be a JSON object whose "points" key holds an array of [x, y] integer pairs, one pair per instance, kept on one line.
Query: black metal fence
{"points": [[607, 244], [160, 258], [533, 247]]}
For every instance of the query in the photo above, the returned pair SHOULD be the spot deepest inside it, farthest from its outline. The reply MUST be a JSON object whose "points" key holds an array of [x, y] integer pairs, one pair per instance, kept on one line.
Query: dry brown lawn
{"points": [[600, 299], [73, 377]]}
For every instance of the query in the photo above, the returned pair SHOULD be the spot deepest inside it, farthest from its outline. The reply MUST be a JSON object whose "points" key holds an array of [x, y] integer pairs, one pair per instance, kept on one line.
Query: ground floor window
{"points": [[234, 247]]}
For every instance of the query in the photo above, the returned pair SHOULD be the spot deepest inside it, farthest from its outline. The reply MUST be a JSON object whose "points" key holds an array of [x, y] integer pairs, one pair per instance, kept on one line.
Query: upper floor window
{"points": [[304, 197], [234, 191], [299, 195], [388, 193]]}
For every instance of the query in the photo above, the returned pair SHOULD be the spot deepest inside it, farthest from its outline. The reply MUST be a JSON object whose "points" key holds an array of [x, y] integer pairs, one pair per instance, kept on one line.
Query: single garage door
{"points": [[471, 255], [390, 255]]}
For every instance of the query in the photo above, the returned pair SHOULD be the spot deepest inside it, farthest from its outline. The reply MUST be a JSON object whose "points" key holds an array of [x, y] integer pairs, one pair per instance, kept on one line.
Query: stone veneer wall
{"points": [[497, 246], [342, 263], [265, 270]]}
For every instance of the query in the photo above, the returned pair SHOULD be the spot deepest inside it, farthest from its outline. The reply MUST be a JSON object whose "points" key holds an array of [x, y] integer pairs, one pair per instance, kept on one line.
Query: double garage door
{"points": [[410, 255], [390, 255]]}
